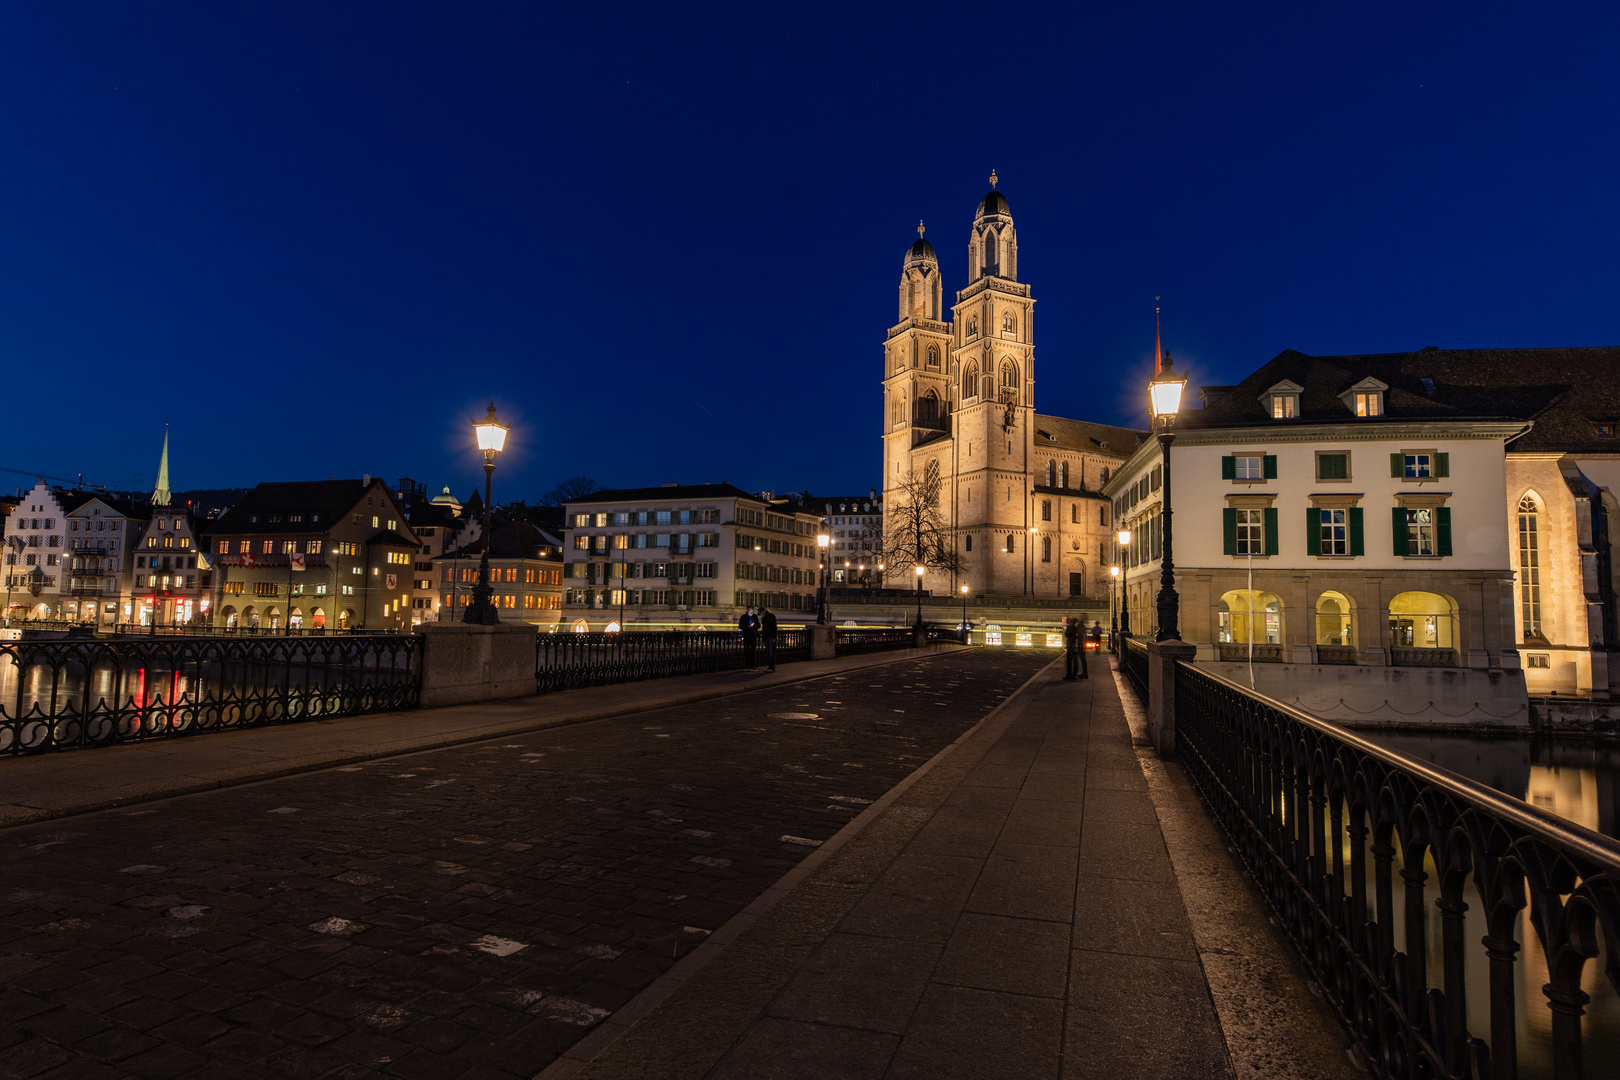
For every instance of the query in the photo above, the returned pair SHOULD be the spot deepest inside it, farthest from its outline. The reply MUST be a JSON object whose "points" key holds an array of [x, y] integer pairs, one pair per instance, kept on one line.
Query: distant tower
{"points": [[160, 494]]}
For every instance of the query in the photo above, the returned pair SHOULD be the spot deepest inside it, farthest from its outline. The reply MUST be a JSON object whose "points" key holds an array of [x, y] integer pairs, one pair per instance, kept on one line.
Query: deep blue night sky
{"points": [[666, 238]]}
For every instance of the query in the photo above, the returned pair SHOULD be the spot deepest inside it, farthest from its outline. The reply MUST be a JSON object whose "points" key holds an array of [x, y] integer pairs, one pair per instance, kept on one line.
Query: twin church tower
{"points": [[1019, 492]]}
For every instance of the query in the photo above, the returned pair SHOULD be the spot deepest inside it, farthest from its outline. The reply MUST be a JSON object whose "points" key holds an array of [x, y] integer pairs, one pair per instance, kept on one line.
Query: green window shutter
{"points": [[1271, 530], [1270, 464], [1442, 530], [1358, 542], [1397, 521], [1313, 531], [1397, 466], [1229, 467], [1229, 530], [1442, 464]]}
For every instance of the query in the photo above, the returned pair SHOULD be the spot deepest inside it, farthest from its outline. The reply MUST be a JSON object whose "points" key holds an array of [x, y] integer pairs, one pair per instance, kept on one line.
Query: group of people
{"points": [[756, 624], [1076, 637]]}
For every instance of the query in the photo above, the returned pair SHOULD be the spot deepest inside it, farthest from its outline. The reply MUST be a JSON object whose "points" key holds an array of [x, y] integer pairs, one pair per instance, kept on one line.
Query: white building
{"points": [[102, 536], [38, 571], [1339, 520]]}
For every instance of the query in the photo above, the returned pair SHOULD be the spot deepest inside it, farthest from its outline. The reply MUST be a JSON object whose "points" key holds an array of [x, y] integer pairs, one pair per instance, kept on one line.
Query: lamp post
{"points": [[1113, 590], [1124, 594], [491, 435], [967, 635], [823, 540], [1165, 393], [919, 597]]}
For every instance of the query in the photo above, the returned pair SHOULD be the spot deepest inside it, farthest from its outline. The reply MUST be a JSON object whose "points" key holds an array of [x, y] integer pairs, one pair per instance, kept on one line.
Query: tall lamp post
{"points": [[1165, 394], [823, 540], [1113, 591], [919, 597], [491, 434], [967, 635], [1124, 594]]}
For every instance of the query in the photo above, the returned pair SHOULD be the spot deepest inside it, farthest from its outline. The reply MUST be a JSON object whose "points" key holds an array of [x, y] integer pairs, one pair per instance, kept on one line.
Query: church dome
{"points": [[921, 252], [993, 203]]}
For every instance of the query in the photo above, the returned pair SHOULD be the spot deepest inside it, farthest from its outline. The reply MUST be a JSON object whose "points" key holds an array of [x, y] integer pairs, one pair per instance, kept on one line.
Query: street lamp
{"points": [[823, 541], [1164, 391], [919, 596], [1113, 607], [491, 435], [1124, 597], [967, 635]]}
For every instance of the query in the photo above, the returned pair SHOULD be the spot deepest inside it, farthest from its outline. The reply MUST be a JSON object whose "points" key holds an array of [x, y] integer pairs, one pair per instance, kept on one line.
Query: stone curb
{"points": [[582, 1053], [13, 815]]}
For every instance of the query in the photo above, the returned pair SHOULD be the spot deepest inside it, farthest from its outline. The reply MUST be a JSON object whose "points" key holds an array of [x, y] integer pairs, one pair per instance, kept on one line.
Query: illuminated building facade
{"points": [[1019, 492], [102, 536], [525, 574]]}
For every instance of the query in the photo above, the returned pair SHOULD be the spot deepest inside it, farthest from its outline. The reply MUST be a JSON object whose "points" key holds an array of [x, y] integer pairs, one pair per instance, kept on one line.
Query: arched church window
{"points": [[1530, 568], [973, 326], [1009, 324], [990, 258], [933, 357], [1063, 475], [989, 388], [928, 409], [1009, 542], [970, 381], [1009, 382], [1051, 474], [1104, 479]]}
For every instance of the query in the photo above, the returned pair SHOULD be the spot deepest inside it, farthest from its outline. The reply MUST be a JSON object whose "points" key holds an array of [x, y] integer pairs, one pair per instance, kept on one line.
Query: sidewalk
{"points": [[1013, 911], [73, 782]]}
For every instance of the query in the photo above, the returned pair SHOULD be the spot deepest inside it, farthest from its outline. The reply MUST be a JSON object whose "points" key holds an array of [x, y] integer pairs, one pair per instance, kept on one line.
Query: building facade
{"points": [[171, 580], [525, 574], [854, 526], [1019, 493], [103, 535], [1338, 521], [38, 569], [318, 554], [686, 555]]}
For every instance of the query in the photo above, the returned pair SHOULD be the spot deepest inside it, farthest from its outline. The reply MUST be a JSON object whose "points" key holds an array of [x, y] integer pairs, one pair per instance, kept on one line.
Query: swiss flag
{"points": [[248, 561]]}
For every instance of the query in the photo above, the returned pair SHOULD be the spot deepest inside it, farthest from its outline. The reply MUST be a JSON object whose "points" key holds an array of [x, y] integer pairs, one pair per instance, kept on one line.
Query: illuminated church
{"points": [[1019, 491]]}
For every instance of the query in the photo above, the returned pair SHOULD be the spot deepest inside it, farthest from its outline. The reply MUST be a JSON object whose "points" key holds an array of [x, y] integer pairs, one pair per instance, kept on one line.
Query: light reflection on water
{"points": [[1578, 780]]}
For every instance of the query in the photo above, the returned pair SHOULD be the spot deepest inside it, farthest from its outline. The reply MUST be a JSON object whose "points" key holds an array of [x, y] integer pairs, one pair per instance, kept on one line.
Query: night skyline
{"points": [[318, 241]]}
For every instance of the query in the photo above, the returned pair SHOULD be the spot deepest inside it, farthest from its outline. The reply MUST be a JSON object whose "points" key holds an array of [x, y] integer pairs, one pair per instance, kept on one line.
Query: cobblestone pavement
{"points": [[468, 912]]}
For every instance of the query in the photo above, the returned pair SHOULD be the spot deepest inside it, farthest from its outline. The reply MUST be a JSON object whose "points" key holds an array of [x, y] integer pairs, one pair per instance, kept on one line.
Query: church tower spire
{"points": [[160, 494]]}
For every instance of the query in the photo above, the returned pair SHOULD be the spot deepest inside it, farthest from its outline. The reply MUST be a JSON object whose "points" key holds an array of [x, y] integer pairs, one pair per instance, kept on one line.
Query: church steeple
{"points": [[160, 494], [993, 243], [920, 290]]}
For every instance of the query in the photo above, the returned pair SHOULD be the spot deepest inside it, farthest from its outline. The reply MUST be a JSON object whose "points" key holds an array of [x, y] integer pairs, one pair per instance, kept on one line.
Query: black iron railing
{"points": [[566, 661], [1306, 803], [865, 639], [64, 695], [1133, 661]]}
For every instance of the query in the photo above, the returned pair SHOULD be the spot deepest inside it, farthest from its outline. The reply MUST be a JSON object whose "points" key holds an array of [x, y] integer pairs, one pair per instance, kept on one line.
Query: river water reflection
{"points": [[1577, 779]]}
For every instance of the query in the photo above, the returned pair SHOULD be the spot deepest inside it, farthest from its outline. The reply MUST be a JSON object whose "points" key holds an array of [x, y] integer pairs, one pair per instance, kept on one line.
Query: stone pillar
{"points": [[823, 640], [1162, 657], [463, 663]]}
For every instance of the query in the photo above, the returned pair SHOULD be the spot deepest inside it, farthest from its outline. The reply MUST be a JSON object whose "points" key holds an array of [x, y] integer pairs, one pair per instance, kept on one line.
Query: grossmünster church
{"points": [[1019, 490]]}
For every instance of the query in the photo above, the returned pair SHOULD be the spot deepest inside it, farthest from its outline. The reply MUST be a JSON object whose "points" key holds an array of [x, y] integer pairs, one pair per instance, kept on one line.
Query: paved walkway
{"points": [[82, 781], [1012, 912]]}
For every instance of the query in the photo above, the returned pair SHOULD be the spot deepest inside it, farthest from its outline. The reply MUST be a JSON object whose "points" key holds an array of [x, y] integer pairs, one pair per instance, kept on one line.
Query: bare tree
{"points": [[915, 532], [575, 487]]}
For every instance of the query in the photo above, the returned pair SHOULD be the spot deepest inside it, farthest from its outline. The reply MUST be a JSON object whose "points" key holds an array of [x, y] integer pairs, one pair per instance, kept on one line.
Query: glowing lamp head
{"points": [[1164, 392], [491, 433], [1124, 537], [1114, 571], [964, 590], [822, 540], [919, 571]]}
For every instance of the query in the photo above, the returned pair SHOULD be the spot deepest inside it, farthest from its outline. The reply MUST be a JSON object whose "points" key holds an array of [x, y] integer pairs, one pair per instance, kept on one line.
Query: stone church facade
{"points": [[1020, 491]]}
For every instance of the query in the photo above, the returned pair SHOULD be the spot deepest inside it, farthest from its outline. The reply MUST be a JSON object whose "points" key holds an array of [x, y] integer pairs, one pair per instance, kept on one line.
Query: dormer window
{"points": [[1282, 401], [1366, 398]]}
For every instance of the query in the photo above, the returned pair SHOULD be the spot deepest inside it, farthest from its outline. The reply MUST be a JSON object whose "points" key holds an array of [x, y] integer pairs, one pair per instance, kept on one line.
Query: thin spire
{"points": [[1158, 343], [921, 228], [160, 494]]}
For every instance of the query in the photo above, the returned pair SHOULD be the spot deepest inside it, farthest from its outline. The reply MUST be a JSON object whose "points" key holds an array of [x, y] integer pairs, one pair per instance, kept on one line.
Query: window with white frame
{"points": [[1419, 466], [1249, 466], [1369, 403], [1284, 406], [1420, 531], [1334, 536], [1251, 532]]}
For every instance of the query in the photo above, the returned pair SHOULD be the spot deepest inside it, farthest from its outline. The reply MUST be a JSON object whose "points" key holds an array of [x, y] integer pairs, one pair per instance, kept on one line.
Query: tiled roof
{"points": [[327, 500], [1084, 435], [518, 540], [1561, 390], [676, 493]]}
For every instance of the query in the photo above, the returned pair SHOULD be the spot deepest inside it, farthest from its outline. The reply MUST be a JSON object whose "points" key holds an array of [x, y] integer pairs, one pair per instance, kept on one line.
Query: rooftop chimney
{"points": [[365, 481]]}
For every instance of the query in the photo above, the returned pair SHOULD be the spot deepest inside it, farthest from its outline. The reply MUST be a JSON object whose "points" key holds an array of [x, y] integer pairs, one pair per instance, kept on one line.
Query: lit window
{"points": [[1333, 534], [1369, 404], [1420, 532], [1284, 406], [1251, 532]]}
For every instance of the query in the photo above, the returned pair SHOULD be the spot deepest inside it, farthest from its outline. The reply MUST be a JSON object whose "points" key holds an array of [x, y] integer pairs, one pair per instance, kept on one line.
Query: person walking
{"points": [[767, 633], [1096, 636], [749, 625], [1073, 648]]}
